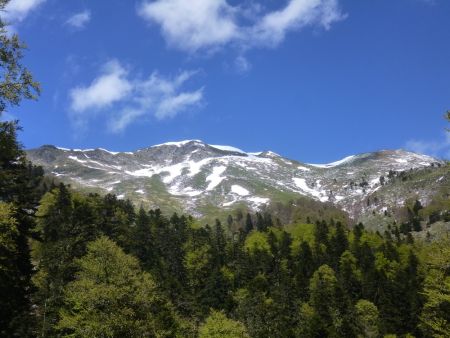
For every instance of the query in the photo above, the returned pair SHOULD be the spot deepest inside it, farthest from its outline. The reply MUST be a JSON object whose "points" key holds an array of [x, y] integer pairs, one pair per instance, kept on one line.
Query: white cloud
{"points": [[79, 20], [434, 148], [17, 10], [205, 24], [111, 86], [130, 99], [193, 24]]}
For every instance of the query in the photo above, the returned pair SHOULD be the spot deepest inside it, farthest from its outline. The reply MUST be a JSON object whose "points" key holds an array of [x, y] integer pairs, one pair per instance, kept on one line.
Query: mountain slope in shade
{"points": [[195, 177]]}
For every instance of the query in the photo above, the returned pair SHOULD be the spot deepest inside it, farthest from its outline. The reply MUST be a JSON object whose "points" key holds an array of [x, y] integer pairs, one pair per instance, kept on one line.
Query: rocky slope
{"points": [[198, 178]]}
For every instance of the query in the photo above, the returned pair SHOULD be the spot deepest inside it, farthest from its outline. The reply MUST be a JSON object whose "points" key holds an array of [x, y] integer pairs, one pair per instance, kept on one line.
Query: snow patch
{"points": [[301, 183], [215, 179], [303, 168], [258, 201], [227, 204], [374, 182], [238, 190], [74, 158]]}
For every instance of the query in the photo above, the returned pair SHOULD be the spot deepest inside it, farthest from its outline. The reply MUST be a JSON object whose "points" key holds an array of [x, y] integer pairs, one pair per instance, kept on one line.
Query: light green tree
{"points": [[8, 234], [217, 325], [112, 297], [435, 316], [367, 318]]}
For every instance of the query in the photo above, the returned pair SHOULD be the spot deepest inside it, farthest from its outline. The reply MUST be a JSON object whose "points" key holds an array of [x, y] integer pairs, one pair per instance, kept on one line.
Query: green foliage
{"points": [[435, 319], [350, 275], [367, 319], [8, 267], [323, 296], [306, 210], [20, 190], [300, 233], [257, 241], [112, 297], [309, 322], [217, 325], [16, 81], [8, 234]]}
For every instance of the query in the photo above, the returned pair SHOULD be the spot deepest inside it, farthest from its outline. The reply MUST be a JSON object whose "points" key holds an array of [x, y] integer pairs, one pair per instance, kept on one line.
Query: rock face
{"points": [[195, 177]]}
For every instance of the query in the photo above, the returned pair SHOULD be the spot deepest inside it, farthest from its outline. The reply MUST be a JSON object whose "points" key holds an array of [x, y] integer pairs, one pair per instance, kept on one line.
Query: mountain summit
{"points": [[193, 176]]}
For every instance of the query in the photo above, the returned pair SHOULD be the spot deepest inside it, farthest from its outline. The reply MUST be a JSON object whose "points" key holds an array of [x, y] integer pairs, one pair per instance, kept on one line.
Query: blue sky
{"points": [[313, 80]]}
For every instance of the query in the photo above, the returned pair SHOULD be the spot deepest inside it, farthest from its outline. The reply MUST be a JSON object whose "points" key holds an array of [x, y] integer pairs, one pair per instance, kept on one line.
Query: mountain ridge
{"points": [[228, 148], [193, 176]]}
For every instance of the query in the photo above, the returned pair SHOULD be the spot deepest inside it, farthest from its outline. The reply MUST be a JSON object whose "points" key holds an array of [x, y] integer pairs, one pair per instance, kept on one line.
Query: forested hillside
{"points": [[83, 265]]}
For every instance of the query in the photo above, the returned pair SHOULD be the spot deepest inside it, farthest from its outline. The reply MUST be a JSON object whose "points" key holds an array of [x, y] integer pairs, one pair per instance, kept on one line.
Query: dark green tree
{"points": [[248, 224], [21, 187]]}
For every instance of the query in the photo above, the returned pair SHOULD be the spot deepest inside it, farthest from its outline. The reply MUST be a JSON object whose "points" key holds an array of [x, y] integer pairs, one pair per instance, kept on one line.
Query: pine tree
{"points": [[20, 187], [260, 224], [338, 244], [248, 224], [303, 269], [323, 291], [143, 240], [350, 276]]}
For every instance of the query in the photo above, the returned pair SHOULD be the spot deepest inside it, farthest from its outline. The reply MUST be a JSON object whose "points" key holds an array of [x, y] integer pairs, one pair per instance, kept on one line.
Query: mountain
{"points": [[195, 177]]}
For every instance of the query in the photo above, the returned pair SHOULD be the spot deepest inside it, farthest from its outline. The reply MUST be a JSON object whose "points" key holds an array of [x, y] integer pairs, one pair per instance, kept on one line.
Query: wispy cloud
{"points": [[208, 24], [438, 148], [79, 20], [272, 28], [17, 10], [123, 99], [159, 96], [242, 65]]}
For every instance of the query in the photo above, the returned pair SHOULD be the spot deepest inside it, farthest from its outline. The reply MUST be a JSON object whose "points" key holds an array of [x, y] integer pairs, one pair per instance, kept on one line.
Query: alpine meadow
{"points": [[169, 238]]}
